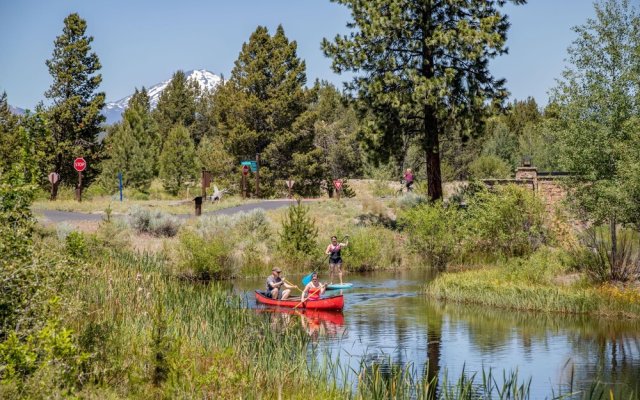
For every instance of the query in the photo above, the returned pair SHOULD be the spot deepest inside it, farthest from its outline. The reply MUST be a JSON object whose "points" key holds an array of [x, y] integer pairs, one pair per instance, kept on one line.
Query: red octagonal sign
{"points": [[245, 169], [79, 164]]}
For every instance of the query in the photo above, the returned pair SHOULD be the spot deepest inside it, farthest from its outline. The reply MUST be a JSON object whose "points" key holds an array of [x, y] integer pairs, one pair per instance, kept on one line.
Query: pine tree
{"points": [[421, 66], [9, 136], [214, 157], [131, 152], [75, 114], [177, 105], [257, 109], [336, 129], [299, 232], [177, 160]]}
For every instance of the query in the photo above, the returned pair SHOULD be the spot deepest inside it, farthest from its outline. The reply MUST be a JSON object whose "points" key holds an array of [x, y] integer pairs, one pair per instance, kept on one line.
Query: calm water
{"points": [[385, 317]]}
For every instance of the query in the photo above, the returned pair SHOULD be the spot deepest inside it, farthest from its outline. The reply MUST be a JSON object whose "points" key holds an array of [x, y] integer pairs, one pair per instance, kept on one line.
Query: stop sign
{"points": [[79, 164], [245, 169]]}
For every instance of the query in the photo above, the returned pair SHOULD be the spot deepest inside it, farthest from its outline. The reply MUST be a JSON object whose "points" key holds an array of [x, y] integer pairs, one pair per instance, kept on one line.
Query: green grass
{"points": [[531, 284]]}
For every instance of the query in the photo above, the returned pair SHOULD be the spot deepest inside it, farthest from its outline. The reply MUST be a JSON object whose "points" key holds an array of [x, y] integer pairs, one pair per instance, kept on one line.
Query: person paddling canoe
{"points": [[313, 290], [335, 260], [275, 284]]}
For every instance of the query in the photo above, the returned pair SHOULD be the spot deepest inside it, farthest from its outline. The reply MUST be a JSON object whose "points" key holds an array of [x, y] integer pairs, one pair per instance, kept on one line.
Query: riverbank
{"points": [[539, 282]]}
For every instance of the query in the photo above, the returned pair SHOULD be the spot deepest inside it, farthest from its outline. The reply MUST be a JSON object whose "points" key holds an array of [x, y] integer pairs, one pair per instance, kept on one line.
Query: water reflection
{"points": [[317, 323], [385, 318]]}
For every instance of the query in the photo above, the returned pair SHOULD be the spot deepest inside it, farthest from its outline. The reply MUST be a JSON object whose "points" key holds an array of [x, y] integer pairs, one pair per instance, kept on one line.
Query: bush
{"points": [[371, 248], [76, 245], [434, 231], [299, 233], [411, 200], [485, 167], [155, 223], [202, 258], [593, 255], [508, 220]]}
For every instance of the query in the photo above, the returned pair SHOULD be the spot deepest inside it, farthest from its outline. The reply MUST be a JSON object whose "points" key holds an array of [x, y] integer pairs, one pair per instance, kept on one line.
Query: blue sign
{"points": [[251, 164]]}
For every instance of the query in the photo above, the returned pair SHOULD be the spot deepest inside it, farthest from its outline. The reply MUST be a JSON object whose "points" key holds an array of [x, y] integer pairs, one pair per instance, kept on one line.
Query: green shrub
{"points": [[508, 220], [156, 223], [371, 248], [593, 254], [297, 239], [204, 258], [489, 166], [52, 347], [434, 232], [411, 200], [76, 246]]}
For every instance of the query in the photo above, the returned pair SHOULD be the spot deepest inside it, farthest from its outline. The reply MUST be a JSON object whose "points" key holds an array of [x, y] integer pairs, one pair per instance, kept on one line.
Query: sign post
{"points": [[54, 177], [289, 184], [120, 184], [337, 183], [79, 164], [257, 175], [206, 182], [245, 172]]}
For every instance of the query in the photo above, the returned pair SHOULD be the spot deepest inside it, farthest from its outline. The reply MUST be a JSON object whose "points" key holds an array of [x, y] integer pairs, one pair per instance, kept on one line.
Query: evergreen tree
{"points": [[299, 232], [214, 157], [75, 114], [130, 147], [256, 110], [336, 128], [9, 136], [424, 68], [177, 160], [177, 105]]}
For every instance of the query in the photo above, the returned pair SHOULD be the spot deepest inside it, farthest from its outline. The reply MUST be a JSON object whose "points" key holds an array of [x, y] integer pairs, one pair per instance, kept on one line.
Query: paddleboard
{"points": [[337, 286]]}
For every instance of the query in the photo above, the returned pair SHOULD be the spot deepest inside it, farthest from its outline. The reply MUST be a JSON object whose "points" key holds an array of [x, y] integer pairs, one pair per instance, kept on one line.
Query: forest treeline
{"points": [[309, 132]]}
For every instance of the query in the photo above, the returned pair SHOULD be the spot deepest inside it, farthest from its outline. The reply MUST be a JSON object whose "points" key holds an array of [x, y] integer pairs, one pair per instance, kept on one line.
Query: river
{"points": [[386, 317]]}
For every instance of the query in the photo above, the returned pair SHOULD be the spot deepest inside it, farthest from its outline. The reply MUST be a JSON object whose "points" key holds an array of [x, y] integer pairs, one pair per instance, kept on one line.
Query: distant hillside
{"points": [[207, 80]]}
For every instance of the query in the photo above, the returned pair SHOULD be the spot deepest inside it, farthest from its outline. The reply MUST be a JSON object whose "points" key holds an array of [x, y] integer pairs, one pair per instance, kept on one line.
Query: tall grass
{"points": [[529, 284]]}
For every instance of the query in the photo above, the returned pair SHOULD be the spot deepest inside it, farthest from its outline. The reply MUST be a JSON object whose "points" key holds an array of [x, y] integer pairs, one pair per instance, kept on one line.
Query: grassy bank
{"points": [[540, 282]]}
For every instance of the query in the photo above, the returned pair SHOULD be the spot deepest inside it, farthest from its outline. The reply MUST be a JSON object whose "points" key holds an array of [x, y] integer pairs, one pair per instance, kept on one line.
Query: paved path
{"points": [[56, 216]]}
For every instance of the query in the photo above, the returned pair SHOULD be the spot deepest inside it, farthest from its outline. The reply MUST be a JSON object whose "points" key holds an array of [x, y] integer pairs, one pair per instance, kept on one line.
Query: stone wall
{"points": [[546, 184]]}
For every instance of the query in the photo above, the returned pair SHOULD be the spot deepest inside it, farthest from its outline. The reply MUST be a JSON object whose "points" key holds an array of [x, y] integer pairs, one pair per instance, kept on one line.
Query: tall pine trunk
{"points": [[430, 128], [432, 150]]}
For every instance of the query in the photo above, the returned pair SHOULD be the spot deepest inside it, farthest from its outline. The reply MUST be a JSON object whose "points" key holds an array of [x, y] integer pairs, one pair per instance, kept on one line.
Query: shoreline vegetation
{"points": [[530, 284]]}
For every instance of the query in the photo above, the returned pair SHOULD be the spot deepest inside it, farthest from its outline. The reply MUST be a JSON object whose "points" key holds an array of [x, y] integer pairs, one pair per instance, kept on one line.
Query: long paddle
{"points": [[305, 300], [307, 278], [289, 283]]}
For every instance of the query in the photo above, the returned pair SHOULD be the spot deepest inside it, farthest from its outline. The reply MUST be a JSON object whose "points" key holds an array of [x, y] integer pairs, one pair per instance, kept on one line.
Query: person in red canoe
{"points": [[313, 290], [275, 285]]}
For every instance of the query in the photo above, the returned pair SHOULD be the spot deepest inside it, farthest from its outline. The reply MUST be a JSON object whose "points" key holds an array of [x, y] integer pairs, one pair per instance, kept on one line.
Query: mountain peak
{"points": [[206, 80]]}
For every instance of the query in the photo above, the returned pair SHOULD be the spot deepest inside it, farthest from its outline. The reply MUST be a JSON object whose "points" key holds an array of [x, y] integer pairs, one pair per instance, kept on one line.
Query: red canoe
{"points": [[329, 303]]}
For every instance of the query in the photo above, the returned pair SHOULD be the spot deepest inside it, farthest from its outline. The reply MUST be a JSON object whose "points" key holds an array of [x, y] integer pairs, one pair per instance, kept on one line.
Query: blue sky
{"points": [[142, 42]]}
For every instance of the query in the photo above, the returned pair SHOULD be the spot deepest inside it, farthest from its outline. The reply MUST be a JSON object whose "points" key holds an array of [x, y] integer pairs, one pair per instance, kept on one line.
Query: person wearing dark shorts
{"points": [[335, 259], [277, 288]]}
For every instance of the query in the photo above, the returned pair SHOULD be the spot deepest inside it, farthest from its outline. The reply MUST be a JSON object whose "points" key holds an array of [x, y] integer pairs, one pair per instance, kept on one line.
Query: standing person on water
{"points": [[275, 284], [335, 260]]}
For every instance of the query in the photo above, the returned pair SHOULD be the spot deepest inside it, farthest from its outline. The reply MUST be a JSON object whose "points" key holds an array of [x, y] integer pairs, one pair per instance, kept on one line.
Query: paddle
{"points": [[289, 283], [307, 278], [322, 285]]}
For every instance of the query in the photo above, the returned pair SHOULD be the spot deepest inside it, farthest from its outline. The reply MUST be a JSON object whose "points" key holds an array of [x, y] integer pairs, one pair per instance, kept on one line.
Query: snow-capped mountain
{"points": [[207, 80], [16, 110]]}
